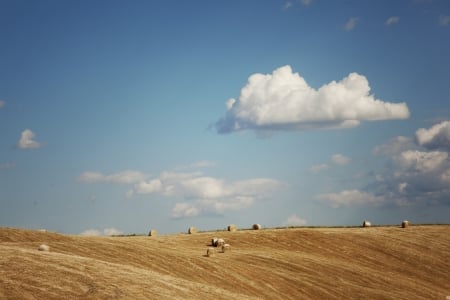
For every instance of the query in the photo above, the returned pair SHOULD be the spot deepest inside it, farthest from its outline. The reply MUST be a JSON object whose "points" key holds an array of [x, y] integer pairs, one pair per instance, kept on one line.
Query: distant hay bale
{"points": [[42, 230], [405, 224], [226, 248], [210, 252], [232, 228], [153, 232], [192, 230], [366, 224], [256, 226], [44, 247]]}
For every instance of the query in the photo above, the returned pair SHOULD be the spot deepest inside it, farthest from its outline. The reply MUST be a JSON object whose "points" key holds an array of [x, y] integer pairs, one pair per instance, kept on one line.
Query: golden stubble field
{"points": [[293, 263]]}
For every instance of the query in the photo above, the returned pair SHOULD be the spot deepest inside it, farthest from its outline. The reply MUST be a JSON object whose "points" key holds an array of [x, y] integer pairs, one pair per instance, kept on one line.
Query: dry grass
{"points": [[294, 263]]}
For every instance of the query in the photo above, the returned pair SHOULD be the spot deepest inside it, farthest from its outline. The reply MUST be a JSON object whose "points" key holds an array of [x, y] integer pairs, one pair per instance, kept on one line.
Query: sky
{"points": [[118, 117]]}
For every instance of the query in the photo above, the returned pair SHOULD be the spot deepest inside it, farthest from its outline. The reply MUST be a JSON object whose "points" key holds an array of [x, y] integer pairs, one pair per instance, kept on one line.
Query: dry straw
{"points": [[366, 223], [256, 226], [405, 224], [226, 248], [210, 252], [232, 228], [192, 230], [44, 247]]}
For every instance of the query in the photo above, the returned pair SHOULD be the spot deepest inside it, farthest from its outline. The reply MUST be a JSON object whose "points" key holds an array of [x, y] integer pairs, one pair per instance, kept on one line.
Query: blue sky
{"points": [[123, 116]]}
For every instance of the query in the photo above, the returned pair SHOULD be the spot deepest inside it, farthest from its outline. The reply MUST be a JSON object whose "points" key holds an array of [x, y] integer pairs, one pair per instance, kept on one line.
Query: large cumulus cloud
{"points": [[283, 100]]}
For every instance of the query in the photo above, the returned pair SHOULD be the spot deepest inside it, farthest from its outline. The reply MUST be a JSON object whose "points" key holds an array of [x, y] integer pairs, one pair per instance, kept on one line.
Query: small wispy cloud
{"points": [[318, 168], [340, 159], [392, 20], [351, 23], [106, 231], [2, 103], [444, 20], [126, 177], [336, 159], [287, 5], [27, 141], [349, 198], [306, 2], [294, 220]]}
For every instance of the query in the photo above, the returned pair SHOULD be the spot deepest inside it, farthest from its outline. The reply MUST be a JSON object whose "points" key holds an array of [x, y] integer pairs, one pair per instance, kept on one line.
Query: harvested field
{"points": [[293, 263]]}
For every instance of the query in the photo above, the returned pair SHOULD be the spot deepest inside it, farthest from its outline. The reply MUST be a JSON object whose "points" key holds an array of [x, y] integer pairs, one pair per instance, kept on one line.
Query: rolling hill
{"points": [[293, 263]]}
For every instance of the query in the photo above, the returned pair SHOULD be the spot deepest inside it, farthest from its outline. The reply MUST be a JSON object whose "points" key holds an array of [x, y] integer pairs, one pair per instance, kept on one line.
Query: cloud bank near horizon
{"points": [[283, 100], [196, 193], [417, 173]]}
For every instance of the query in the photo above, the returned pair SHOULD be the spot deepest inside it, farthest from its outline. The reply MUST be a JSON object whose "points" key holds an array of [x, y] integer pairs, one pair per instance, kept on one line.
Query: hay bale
{"points": [[153, 232], [210, 251], [226, 248], [232, 228], [220, 242], [192, 230], [214, 241], [44, 247], [405, 223], [256, 226], [366, 224]]}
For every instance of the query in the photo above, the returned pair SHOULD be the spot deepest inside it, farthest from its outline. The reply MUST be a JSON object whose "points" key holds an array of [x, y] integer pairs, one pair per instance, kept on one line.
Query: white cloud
{"points": [[417, 172], [284, 101], [340, 159], [423, 162], [106, 231], [438, 136], [152, 186], [287, 5], [444, 20], [392, 20], [125, 177], [351, 23], [350, 197], [185, 210], [306, 2], [2, 103], [394, 146], [318, 168], [27, 141], [294, 220], [204, 194]]}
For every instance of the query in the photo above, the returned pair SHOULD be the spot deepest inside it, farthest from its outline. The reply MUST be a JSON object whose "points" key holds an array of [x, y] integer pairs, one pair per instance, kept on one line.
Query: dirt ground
{"points": [[293, 263]]}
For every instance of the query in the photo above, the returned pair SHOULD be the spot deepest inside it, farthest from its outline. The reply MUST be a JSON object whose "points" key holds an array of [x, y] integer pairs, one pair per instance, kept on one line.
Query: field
{"points": [[292, 263]]}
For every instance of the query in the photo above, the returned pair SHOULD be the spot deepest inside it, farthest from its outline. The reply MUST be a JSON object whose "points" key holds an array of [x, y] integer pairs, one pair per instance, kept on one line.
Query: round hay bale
{"points": [[153, 232], [232, 228], [210, 252], [192, 230], [256, 226], [366, 224], [220, 242], [44, 247], [214, 241], [226, 248], [405, 223]]}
